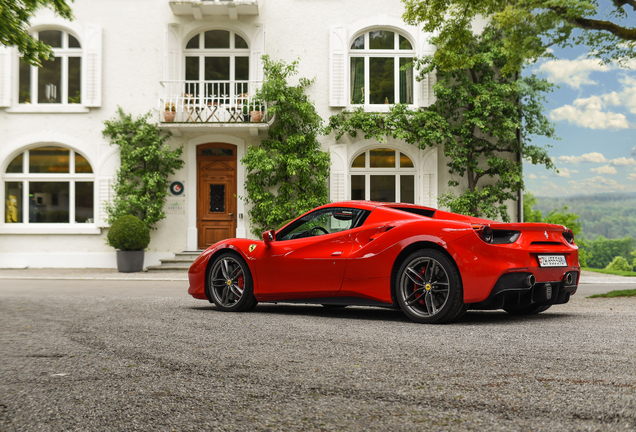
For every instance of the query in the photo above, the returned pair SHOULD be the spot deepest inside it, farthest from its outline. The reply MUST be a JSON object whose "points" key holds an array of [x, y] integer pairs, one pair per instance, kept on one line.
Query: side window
{"points": [[320, 222]]}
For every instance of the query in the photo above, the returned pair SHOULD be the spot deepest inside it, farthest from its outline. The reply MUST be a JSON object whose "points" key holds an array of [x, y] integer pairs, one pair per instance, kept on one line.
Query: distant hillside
{"points": [[610, 215]]}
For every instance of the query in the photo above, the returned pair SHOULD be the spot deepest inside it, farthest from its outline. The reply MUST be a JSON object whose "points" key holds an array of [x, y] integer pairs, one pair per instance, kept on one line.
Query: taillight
{"points": [[569, 236], [485, 233]]}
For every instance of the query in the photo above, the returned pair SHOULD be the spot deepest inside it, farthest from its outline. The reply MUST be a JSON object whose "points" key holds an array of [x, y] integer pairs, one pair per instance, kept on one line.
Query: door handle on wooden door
{"points": [[231, 215]]}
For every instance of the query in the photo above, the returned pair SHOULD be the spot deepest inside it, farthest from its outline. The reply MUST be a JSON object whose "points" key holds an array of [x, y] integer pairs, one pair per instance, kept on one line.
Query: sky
{"points": [[594, 112]]}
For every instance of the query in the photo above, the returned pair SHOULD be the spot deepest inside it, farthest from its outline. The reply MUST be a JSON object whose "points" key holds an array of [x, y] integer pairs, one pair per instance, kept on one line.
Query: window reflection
{"points": [[16, 165], [84, 202], [383, 188], [382, 158], [53, 160], [48, 202]]}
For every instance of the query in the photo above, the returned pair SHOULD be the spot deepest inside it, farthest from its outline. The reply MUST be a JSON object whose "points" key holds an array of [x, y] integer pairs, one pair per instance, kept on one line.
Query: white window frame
{"points": [[366, 54], [90, 39], [25, 227], [396, 171], [63, 53]]}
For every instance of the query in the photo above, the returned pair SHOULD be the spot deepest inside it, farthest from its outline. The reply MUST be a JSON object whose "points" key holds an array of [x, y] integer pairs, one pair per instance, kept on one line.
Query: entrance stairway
{"points": [[181, 262]]}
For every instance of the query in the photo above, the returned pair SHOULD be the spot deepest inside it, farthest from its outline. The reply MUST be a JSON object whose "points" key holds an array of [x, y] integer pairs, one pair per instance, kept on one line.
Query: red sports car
{"points": [[432, 264]]}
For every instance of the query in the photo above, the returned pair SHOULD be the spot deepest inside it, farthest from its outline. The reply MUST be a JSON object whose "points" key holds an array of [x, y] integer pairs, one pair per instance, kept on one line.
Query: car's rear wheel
{"points": [[528, 310], [230, 284], [428, 288]]}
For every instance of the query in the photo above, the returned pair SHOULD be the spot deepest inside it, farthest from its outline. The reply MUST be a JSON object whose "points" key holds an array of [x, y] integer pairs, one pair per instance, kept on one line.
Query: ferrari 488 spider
{"points": [[434, 265]]}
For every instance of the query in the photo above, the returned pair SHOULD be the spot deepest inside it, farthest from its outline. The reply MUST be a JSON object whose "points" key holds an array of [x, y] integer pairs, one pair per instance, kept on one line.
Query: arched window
{"points": [[217, 67], [383, 174], [59, 80], [49, 184], [376, 61]]}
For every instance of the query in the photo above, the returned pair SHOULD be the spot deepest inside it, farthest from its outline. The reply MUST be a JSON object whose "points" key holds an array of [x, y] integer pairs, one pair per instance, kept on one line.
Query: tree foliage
{"points": [[603, 250], [141, 186], [531, 27], [476, 117], [619, 263], [287, 174], [14, 26]]}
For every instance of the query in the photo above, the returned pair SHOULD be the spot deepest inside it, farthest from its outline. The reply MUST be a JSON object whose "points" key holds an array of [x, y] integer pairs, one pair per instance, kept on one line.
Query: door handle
{"points": [[338, 253], [231, 215]]}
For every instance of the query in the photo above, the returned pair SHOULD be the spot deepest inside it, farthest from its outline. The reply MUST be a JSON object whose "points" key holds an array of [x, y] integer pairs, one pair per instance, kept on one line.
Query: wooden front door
{"points": [[216, 196]]}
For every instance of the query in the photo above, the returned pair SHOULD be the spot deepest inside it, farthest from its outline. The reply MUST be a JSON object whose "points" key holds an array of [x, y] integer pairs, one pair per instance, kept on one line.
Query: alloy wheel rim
{"points": [[424, 287], [227, 281]]}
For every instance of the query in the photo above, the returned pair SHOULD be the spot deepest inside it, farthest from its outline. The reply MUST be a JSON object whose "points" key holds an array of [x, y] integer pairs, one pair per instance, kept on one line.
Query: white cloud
{"points": [[591, 116], [631, 176], [623, 161], [592, 112], [573, 73], [587, 157], [532, 176], [564, 172], [633, 153], [604, 170]]}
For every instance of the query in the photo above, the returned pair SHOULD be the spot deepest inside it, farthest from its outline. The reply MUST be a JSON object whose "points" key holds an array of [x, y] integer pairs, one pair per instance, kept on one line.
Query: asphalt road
{"points": [[142, 355]]}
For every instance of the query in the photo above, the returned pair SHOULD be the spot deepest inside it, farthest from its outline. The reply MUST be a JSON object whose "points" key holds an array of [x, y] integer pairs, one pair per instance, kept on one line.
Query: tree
{"points": [[14, 26], [529, 214], [531, 27], [141, 186], [476, 118], [287, 174], [603, 250]]}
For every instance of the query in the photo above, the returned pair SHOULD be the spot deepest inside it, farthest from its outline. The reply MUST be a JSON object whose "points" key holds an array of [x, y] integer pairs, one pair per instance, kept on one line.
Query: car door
{"points": [[308, 258]]}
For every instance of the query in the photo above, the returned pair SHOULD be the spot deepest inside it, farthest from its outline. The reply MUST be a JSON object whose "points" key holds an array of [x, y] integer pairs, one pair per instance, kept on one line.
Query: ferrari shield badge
{"points": [[252, 247]]}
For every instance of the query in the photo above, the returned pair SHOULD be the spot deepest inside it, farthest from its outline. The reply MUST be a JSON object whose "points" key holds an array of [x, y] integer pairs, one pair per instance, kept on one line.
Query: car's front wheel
{"points": [[230, 284], [429, 288]]}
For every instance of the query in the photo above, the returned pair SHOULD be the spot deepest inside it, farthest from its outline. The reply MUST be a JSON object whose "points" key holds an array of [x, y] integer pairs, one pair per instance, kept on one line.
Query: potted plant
{"points": [[130, 236], [170, 112], [256, 111]]}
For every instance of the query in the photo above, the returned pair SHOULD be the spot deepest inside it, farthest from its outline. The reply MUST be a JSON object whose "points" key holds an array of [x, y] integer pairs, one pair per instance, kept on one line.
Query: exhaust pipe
{"points": [[530, 281], [568, 279]]}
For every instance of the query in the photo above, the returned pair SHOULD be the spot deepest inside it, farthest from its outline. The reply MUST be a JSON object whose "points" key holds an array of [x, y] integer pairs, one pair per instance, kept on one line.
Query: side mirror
{"points": [[268, 237]]}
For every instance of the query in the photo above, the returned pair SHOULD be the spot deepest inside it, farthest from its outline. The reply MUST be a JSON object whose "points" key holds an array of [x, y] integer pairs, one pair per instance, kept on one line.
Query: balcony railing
{"points": [[211, 102]]}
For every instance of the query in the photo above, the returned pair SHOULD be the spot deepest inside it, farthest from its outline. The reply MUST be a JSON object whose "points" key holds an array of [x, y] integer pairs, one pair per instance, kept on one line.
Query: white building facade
{"points": [[196, 65]]}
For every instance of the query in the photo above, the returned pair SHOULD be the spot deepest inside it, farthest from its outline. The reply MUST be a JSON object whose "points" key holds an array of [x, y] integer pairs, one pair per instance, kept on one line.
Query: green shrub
{"points": [[619, 263], [128, 233]]}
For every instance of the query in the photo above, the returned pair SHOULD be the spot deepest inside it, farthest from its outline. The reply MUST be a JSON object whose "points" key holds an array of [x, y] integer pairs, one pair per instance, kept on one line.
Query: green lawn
{"points": [[613, 272], [618, 293]]}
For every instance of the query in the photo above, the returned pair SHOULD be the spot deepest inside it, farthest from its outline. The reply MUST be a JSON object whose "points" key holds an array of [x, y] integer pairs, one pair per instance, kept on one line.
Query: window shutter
{"points": [[257, 51], [337, 67], [427, 83], [104, 198], [172, 54], [92, 96], [6, 54]]}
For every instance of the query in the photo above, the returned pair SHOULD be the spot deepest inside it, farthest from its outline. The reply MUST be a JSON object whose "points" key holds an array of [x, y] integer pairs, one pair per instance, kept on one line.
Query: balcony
{"points": [[196, 106], [200, 9]]}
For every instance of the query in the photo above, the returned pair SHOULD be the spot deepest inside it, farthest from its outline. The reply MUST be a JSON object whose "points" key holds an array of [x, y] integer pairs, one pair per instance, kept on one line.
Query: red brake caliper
{"points": [[422, 272], [241, 282]]}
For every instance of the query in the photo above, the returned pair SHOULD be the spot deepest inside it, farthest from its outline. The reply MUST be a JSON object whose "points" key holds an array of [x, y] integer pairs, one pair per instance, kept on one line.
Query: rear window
{"points": [[417, 211]]}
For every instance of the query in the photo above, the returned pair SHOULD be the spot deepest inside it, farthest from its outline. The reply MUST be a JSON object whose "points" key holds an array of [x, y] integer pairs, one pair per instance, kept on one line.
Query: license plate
{"points": [[552, 261]]}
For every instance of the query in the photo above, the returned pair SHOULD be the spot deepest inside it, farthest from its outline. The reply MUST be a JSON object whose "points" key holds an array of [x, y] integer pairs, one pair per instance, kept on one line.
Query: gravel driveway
{"points": [[142, 363]]}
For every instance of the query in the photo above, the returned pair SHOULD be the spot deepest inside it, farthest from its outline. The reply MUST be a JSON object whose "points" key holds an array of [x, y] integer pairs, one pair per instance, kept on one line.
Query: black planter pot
{"points": [[130, 261]]}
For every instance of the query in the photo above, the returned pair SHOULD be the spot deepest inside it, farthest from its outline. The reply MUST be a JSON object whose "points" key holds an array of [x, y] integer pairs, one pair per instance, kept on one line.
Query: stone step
{"points": [[181, 262]]}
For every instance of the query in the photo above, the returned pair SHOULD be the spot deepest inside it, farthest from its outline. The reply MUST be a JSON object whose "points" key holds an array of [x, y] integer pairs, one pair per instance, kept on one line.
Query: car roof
{"points": [[370, 205]]}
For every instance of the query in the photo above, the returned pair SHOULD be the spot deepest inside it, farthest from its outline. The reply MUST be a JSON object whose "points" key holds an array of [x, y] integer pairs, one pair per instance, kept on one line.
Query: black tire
{"points": [[528, 310], [428, 288], [230, 283]]}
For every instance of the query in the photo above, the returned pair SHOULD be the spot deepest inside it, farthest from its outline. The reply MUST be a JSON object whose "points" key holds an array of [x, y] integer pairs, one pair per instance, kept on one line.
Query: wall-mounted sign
{"points": [[177, 188], [175, 206]]}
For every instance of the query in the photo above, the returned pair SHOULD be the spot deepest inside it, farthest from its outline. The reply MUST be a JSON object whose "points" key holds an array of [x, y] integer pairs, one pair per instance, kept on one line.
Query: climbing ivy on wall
{"points": [[287, 174]]}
